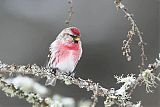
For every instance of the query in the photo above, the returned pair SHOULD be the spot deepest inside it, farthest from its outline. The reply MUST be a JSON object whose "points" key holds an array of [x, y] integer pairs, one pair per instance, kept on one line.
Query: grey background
{"points": [[27, 27]]}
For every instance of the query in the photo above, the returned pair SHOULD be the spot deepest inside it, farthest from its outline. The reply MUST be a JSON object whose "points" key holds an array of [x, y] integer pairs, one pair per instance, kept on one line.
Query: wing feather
{"points": [[80, 53], [53, 49]]}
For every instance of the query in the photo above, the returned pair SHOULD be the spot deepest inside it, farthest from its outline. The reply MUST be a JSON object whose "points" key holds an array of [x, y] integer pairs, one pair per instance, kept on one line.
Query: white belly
{"points": [[67, 65]]}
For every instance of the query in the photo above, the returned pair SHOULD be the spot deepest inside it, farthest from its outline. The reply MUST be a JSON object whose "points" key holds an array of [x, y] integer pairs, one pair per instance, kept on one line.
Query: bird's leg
{"points": [[71, 74], [54, 71]]}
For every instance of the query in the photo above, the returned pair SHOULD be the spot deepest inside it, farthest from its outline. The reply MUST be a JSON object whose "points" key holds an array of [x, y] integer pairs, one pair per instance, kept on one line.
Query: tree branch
{"points": [[120, 96], [12, 91], [47, 72], [132, 32], [70, 13]]}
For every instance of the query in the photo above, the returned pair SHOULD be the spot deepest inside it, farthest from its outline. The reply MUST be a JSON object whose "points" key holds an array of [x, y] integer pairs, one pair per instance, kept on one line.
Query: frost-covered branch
{"points": [[30, 97], [148, 77], [132, 32], [28, 85], [120, 96], [15, 88], [42, 72]]}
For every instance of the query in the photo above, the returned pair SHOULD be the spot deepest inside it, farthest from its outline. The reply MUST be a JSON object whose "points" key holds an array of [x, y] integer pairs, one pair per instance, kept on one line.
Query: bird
{"points": [[64, 53]]}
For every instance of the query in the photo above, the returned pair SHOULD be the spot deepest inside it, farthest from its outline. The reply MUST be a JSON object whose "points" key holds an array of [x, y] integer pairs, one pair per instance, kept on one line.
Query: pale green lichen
{"points": [[149, 79], [27, 84], [108, 102], [13, 91], [119, 97]]}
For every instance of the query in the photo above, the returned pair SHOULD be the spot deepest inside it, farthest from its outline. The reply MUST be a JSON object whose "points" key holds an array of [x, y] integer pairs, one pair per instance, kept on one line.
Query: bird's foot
{"points": [[54, 71], [72, 74]]}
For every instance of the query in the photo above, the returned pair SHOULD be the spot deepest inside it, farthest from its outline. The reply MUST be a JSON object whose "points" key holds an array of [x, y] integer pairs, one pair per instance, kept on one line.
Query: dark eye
{"points": [[71, 35]]}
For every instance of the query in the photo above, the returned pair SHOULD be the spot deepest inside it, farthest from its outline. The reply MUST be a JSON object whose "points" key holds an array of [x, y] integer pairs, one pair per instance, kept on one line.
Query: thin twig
{"points": [[70, 13], [133, 31]]}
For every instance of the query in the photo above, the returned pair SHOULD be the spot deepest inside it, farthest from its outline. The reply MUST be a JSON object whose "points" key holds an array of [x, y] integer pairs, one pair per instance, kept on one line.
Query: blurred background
{"points": [[27, 28]]}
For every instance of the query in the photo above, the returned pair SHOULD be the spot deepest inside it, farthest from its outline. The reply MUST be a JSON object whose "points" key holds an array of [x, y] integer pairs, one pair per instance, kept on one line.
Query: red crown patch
{"points": [[75, 31]]}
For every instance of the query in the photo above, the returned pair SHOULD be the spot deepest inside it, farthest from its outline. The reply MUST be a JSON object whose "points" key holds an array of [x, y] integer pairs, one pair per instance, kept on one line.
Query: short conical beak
{"points": [[77, 39]]}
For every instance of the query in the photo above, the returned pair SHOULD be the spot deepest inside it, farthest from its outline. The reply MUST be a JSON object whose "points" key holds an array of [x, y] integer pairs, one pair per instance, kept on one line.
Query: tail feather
{"points": [[51, 81]]}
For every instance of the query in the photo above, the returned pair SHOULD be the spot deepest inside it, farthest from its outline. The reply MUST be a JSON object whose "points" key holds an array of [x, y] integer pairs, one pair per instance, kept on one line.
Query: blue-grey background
{"points": [[27, 27]]}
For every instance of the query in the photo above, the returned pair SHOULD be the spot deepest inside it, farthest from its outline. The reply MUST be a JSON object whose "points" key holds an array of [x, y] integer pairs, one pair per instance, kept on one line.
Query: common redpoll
{"points": [[65, 53]]}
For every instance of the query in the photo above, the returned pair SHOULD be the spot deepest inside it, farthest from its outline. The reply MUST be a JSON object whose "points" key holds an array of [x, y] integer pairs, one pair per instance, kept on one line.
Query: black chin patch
{"points": [[75, 41]]}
